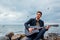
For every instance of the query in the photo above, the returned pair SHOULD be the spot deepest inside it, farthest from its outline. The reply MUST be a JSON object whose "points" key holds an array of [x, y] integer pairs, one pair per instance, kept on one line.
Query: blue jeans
{"points": [[38, 35]]}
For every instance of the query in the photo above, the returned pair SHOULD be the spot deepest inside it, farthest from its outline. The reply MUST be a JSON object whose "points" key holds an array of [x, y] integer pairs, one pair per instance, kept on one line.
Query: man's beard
{"points": [[38, 19]]}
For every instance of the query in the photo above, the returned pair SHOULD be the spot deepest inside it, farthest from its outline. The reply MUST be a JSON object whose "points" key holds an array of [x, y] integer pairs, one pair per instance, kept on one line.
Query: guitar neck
{"points": [[45, 26], [36, 27], [55, 25]]}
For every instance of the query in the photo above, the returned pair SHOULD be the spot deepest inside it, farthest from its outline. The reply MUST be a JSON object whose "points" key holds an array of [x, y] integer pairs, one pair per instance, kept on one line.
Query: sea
{"points": [[17, 29]]}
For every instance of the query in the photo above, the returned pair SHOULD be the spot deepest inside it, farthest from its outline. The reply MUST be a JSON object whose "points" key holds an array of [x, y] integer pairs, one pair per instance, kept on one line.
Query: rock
{"points": [[17, 36], [9, 35], [24, 38]]}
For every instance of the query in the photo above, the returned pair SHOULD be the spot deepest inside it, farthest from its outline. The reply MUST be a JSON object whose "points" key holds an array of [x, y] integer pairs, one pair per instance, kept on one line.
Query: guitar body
{"points": [[34, 31]]}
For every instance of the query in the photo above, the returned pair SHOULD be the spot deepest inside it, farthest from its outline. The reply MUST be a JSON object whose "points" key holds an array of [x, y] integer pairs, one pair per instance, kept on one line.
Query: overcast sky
{"points": [[19, 11]]}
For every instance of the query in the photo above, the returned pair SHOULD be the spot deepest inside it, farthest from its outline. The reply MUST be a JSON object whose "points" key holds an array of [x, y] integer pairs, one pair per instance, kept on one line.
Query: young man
{"points": [[36, 22]]}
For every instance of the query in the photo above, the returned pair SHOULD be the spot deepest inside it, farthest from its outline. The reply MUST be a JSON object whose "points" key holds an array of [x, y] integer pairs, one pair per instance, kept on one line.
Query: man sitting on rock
{"points": [[36, 22]]}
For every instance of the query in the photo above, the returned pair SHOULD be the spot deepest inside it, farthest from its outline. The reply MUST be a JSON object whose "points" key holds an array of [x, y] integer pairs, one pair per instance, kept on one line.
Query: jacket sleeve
{"points": [[42, 24], [27, 23]]}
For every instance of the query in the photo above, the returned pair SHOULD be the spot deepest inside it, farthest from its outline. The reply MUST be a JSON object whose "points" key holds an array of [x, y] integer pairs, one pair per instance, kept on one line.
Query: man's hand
{"points": [[47, 27], [31, 29]]}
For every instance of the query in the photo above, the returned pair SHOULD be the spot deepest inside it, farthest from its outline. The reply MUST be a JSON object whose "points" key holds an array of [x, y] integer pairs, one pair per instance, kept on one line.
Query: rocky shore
{"points": [[12, 36]]}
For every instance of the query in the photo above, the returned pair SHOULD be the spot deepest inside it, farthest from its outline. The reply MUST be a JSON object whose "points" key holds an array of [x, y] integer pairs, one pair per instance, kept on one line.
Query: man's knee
{"points": [[42, 31]]}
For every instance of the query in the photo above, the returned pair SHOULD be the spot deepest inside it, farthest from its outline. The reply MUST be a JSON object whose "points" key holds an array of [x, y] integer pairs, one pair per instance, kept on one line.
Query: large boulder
{"points": [[18, 37], [7, 36]]}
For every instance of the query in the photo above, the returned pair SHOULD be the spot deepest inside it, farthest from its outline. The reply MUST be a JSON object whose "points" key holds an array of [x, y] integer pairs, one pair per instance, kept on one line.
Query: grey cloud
{"points": [[50, 8]]}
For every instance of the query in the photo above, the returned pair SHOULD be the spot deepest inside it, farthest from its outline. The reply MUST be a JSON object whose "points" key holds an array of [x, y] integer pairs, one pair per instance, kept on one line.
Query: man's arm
{"points": [[42, 24], [47, 27], [27, 23]]}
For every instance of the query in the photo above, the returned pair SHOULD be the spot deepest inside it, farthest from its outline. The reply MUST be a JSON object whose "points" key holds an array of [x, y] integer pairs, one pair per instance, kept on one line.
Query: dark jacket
{"points": [[32, 22]]}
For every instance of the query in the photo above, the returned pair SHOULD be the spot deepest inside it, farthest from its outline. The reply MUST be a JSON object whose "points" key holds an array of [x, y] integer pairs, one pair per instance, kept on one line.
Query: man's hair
{"points": [[39, 12]]}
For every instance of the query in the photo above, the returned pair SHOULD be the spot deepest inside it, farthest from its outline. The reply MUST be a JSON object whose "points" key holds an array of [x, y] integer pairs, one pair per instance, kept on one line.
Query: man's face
{"points": [[38, 16]]}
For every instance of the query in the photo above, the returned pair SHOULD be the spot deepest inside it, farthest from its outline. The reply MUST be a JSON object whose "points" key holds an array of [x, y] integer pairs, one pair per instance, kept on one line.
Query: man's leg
{"points": [[31, 37], [34, 36], [40, 34], [28, 38]]}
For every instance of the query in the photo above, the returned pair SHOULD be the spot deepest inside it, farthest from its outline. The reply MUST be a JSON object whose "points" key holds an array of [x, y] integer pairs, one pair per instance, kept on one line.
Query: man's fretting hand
{"points": [[47, 27]]}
